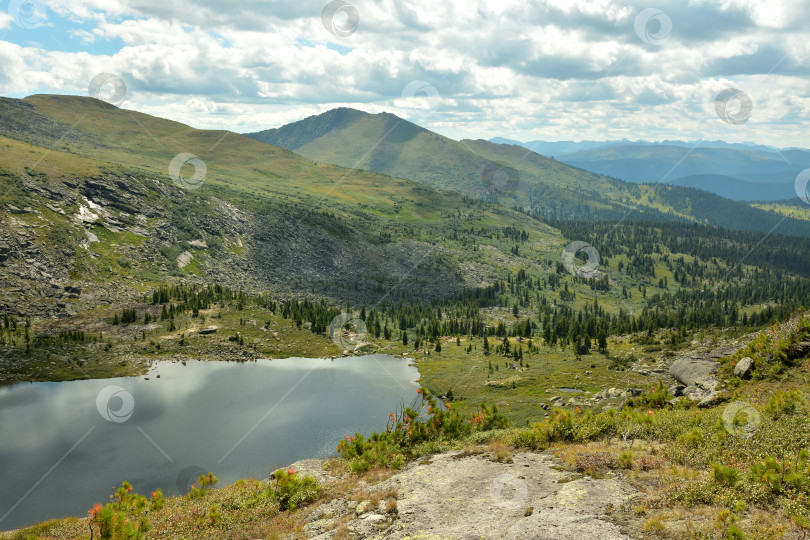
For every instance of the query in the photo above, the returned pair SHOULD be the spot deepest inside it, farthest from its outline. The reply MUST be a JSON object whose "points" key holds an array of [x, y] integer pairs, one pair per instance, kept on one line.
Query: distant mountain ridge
{"points": [[569, 147], [736, 189], [513, 176], [739, 171]]}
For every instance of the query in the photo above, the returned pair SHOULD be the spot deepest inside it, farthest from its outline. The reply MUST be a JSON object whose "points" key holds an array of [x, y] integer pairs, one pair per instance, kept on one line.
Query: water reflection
{"points": [[236, 420]]}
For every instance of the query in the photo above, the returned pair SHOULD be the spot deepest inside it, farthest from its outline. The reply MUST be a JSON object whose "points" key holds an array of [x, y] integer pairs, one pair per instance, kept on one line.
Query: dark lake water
{"points": [[64, 445]]}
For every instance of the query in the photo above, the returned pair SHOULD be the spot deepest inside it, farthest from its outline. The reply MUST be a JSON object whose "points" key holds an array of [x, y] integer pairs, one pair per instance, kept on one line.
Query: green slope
{"points": [[288, 223], [390, 145], [508, 174]]}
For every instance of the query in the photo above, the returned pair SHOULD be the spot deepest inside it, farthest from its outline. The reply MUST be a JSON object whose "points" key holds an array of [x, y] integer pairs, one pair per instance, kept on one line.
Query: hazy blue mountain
{"points": [[563, 148], [724, 171], [735, 188], [556, 149]]}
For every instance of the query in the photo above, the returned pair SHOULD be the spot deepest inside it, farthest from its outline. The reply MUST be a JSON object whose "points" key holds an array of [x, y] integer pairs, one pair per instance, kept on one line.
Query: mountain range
{"points": [[738, 171], [366, 208], [515, 176], [550, 148]]}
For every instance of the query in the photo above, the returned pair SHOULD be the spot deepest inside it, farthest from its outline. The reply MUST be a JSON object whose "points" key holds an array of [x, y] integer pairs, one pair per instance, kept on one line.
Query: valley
{"points": [[116, 262]]}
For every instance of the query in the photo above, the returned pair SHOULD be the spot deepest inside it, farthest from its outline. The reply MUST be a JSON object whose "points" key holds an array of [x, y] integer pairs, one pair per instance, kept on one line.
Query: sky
{"points": [[735, 70]]}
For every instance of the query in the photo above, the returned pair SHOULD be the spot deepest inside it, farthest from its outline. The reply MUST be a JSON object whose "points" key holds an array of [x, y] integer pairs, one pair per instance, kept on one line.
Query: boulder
{"points": [[687, 370], [184, 259], [73, 292], [743, 368]]}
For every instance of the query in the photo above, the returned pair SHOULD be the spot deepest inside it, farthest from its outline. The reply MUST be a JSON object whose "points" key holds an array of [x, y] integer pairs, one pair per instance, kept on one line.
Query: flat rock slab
{"points": [[689, 370], [473, 497]]}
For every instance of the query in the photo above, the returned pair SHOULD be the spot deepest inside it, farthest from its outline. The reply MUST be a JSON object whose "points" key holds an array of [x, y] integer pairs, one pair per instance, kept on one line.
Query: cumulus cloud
{"points": [[570, 69], [5, 20]]}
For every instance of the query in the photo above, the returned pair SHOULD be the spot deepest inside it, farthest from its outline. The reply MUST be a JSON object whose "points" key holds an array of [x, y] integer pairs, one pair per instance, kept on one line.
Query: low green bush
{"points": [[202, 485], [292, 490], [125, 516], [422, 422]]}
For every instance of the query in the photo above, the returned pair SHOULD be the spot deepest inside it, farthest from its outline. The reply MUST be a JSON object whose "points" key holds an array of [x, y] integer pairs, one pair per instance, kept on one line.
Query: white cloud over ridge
{"points": [[554, 69]]}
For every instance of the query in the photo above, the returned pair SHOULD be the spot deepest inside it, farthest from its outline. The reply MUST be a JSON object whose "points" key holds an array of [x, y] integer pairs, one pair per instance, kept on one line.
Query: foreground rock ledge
{"points": [[452, 496]]}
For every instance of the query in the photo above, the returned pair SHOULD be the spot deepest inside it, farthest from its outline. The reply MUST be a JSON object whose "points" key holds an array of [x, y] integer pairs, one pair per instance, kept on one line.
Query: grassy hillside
{"points": [[515, 176], [357, 232], [391, 145]]}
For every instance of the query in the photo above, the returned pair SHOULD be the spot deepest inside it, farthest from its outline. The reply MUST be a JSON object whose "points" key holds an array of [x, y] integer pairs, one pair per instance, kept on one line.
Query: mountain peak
{"points": [[297, 134]]}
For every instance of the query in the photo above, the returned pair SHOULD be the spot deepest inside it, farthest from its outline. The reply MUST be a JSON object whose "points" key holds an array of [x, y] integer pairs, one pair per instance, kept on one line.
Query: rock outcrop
{"points": [[696, 373], [743, 367], [452, 495]]}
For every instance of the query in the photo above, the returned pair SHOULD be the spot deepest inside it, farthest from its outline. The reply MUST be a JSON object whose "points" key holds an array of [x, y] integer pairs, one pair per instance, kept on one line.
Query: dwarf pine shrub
{"points": [[291, 490]]}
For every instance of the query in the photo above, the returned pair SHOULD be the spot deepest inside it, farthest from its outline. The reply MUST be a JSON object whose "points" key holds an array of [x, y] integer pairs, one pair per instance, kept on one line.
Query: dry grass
{"points": [[500, 452], [282, 526], [340, 527]]}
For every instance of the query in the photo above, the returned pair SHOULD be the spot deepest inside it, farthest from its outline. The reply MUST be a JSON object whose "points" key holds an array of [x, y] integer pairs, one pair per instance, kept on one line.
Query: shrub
{"points": [[201, 486], [692, 438], [735, 533], [783, 477], [558, 427], [593, 462], [653, 524], [213, 514], [116, 525], [291, 490], [784, 404], [656, 396], [123, 518], [725, 476], [421, 422], [500, 452], [157, 502]]}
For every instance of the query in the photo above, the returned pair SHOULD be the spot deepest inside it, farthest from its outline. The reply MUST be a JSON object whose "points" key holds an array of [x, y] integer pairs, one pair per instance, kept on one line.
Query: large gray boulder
{"points": [[689, 370], [743, 368], [696, 373]]}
